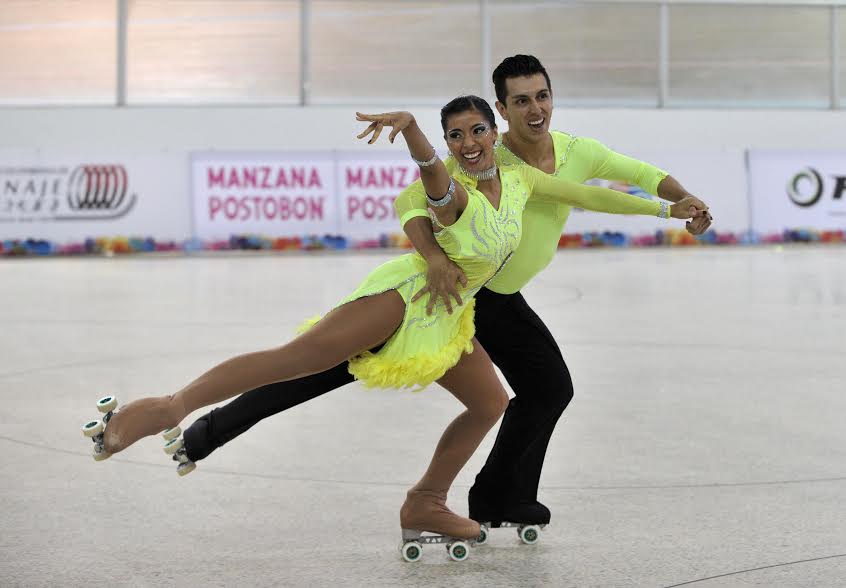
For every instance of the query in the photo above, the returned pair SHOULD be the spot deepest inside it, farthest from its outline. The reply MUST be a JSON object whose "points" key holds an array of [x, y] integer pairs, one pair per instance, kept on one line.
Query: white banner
{"points": [[352, 193], [368, 184], [62, 198], [65, 198], [797, 190], [274, 194]]}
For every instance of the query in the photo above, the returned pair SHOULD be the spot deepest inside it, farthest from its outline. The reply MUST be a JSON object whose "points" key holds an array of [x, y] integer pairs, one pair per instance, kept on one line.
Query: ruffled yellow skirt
{"points": [[424, 346]]}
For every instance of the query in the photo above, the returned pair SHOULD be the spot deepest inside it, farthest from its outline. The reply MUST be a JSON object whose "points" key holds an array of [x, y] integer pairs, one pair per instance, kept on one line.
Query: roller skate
{"points": [[94, 429], [175, 447], [426, 520], [527, 517]]}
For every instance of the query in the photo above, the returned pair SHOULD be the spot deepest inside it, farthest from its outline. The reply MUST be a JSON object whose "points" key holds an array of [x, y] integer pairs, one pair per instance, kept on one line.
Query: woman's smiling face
{"points": [[471, 139]]}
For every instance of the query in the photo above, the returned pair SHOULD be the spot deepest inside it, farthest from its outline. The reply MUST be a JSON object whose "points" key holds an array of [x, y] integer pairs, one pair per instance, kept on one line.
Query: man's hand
{"points": [[442, 281], [670, 189], [701, 219], [700, 224], [693, 208]]}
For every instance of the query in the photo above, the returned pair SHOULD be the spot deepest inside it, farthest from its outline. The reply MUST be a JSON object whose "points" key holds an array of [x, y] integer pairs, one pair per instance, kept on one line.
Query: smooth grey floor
{"points": [[706, 439]]}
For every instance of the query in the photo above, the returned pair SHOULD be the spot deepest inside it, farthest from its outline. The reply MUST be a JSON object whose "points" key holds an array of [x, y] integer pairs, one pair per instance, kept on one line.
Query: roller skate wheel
{"points": [[101, 455], [529, 534], [173, 433], [483, 536], [173, 446], [458, 550], [186, 468], [411, 551], [107, 404], [92, 428]]}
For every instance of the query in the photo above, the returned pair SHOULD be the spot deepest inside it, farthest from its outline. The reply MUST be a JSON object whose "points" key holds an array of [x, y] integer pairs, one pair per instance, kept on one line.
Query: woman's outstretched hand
{"points": [[397, 120]]}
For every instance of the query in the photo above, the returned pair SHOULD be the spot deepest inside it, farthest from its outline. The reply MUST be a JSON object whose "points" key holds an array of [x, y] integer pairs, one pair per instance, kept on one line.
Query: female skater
{"points": [[392, 342]]}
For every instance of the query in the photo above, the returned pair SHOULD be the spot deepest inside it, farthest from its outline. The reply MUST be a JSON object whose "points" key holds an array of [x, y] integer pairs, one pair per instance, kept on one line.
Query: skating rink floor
{"points": [[705, 446]]}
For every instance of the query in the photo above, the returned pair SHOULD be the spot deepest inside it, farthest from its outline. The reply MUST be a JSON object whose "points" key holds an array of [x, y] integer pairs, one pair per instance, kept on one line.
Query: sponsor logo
{"points": [[370, 190], [86, 192], [377, 208], [807, 187], [392, 176], [262, 193], [264, 177], [266, 208]]}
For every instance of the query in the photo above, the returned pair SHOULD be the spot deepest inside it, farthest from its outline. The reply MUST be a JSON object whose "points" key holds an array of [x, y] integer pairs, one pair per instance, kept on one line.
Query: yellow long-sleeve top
{"points": [[577, 159]]}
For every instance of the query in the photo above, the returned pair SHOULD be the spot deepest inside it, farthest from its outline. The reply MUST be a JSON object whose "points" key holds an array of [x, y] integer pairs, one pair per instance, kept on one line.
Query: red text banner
{"points": [[367, 187], [284, 194]]}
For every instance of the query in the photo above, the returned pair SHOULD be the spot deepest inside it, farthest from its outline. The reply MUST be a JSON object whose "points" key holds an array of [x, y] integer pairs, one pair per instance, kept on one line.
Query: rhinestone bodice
{"points": [[483, 238]]}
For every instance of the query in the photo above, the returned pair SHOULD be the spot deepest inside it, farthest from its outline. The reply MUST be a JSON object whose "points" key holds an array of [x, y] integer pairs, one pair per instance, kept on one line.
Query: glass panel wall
{"points": [[213, 51], [394, 52], [58, 51], [767, 56], [597, 53]]}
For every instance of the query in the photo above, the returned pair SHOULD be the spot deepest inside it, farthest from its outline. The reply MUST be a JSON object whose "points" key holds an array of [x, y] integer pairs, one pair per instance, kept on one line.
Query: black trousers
{"points": [[518, 343]]}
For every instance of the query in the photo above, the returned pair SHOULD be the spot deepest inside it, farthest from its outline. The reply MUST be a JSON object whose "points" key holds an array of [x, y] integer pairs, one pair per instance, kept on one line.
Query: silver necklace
{"points": [[486, 174]]}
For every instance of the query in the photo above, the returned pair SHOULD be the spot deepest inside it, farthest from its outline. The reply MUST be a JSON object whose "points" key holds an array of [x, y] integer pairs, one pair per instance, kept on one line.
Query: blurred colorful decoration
{"points": [[126, 245]]}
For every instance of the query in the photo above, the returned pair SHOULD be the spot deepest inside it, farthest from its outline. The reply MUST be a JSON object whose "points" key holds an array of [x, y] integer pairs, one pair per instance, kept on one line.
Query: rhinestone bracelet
{"points": [[426, 163], [664, 211], [446, 199]]}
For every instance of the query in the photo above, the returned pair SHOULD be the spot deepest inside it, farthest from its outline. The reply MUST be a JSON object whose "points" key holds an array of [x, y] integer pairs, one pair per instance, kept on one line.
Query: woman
{"points": [[392, 341]]}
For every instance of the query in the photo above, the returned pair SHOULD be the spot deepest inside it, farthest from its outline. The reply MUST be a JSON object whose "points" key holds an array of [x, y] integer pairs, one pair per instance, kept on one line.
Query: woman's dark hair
{"points": [[465, 103], [516, 66]]}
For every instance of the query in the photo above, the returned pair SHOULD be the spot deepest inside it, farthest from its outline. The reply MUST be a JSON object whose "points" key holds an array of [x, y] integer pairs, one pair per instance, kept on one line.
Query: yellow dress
{"points": [[480, 242]]}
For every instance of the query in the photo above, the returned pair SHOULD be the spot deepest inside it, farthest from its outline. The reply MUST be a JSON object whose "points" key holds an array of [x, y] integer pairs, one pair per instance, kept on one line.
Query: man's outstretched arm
{"points": [[610, 165]]}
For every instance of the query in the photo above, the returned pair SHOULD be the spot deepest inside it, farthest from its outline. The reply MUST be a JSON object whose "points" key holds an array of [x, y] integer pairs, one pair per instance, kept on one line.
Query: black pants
{"points": [[518, 343]]}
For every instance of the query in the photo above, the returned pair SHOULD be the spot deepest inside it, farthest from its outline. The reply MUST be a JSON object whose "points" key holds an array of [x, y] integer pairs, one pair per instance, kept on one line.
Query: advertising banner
{"points": [[352, 193], [276, 194], [797, 190], [69, 198], [368, 184], [288, 194]]}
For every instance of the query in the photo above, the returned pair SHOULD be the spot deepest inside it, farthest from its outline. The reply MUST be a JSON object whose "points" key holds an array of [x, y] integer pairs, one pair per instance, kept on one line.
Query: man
{"points": [[513, 335]]}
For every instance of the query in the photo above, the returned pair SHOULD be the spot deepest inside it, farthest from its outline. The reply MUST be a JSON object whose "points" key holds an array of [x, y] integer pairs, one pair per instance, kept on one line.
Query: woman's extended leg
{"points": [[343, 333], [475, 384]]}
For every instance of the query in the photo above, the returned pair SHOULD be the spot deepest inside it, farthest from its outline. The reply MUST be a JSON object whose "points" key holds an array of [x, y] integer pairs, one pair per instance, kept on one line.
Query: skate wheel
{"points": [[483, 536], [186, 468], [92, 428], [173, 446], [458, 550], [411, 551], [101, 455], [170, 434], [529, 534], [107, 404]]}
